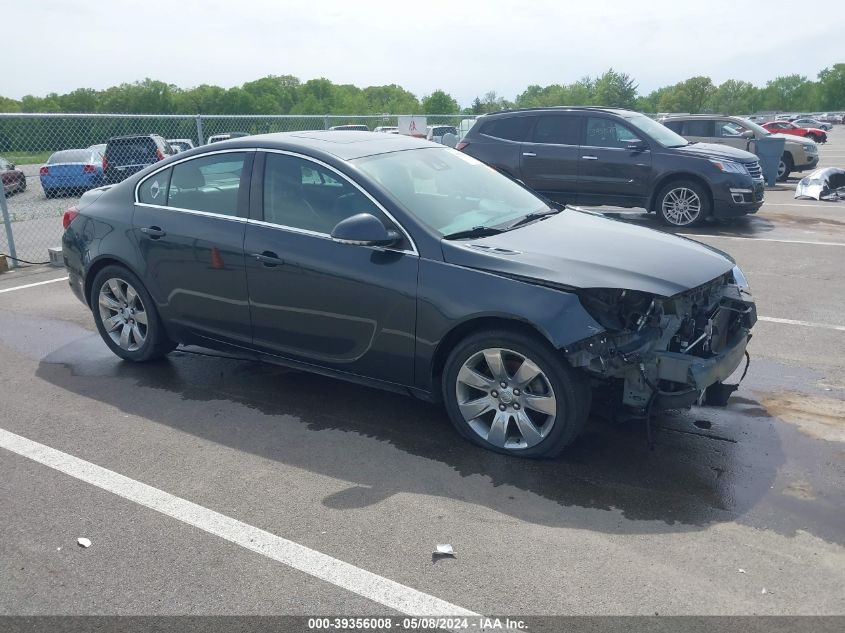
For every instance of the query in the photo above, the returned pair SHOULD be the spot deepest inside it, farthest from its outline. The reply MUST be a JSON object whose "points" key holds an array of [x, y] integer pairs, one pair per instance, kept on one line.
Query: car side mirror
{"points": [[364, 229], [637, 145], [748, 134]]}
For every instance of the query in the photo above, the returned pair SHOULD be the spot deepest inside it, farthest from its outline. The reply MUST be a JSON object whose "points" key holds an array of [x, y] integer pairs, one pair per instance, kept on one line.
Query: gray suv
{"points": [[799, 154], [605, 156]]}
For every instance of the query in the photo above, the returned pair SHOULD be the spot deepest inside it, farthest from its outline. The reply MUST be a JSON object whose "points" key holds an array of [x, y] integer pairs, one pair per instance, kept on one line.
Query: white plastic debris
{"points": [[764, 592], [83, 542], [741, 571], [444, 550]]}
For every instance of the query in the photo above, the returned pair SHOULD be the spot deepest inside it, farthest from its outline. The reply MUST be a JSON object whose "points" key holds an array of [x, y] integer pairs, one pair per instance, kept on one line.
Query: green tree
{"points": [[690, 96], [792, 92], [614, 89], [439, 102], [735, 97], [832, 88]]}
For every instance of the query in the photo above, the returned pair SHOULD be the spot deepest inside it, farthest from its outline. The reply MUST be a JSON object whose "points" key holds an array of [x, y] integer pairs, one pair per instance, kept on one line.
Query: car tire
{"points": [[118, 300], [537, 418], [817, 138], [22, 185], [683, 203], [49, 193], [785, 166]]}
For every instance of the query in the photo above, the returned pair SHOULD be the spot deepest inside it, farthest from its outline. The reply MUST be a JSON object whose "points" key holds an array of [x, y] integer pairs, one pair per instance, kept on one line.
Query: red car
{"points": [[785, 127], [13, 179]]}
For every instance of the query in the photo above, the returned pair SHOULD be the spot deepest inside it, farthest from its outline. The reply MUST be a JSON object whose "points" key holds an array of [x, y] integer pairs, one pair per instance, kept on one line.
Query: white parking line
{"points": [[364, 583], [824, 326], [801, 203], [37, 283], [763, 239]]}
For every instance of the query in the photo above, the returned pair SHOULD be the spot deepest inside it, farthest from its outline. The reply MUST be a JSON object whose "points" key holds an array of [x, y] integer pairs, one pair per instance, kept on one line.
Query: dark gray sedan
{"points": [[409, 266]]}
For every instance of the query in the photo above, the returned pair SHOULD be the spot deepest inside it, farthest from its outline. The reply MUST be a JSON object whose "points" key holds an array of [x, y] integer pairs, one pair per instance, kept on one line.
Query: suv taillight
{"points": [[105, 162], [44, 170], [89, 169], [159, 154], [69, 216], [460, 146]]}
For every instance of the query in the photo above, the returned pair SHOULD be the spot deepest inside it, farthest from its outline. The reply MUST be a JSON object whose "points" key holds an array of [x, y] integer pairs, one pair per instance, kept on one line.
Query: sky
{"points": [[465, 47]]}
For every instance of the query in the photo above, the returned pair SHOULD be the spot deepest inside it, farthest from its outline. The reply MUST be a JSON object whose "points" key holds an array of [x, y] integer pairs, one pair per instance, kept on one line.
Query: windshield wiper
{"points": [[476, 231], [533, 216]]}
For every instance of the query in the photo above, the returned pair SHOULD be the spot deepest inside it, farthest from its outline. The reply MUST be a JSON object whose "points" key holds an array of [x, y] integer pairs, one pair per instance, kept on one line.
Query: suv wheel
{"points": [[683, 203], [126, 316], [785, 167], [509, 393]]}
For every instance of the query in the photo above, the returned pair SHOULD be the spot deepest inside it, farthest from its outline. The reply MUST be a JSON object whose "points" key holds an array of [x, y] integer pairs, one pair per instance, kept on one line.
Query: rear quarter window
{"points": [[153, 190], [512, 128]]}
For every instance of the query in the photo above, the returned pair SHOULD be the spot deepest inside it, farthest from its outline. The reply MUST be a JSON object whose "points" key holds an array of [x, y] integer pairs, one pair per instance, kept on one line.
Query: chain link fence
{"points": [[42, 178]]}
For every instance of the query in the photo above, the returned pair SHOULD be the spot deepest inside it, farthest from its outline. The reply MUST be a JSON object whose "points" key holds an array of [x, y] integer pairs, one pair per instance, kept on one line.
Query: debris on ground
{"points": [[827, 183], [741, 571], [83, 542], [764, 592], [444, 550]]}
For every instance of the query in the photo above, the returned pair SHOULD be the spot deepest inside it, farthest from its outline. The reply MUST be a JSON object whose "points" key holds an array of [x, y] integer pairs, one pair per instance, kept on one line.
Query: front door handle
{"points": [[153, 232], [528, 154], [590, 157], [269, 259]]}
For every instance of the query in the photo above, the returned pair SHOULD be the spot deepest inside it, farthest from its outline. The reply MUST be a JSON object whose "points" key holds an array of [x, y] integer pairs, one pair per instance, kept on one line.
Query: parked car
{"points": [[605, 156], [812, 123], [798, 154], [71, 171], [388, 129], [408, 266], [126, 155], [14, 180], [350, 127], [216, 138], [181, 144], [100, 149], [437, 132], [786, 127]]}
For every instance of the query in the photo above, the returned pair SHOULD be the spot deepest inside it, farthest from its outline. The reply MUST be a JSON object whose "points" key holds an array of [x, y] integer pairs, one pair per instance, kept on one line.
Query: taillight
{"points": [[159, 154], [69, 216], [44, 170], [89, 169], [105, 162], [460, 146]]}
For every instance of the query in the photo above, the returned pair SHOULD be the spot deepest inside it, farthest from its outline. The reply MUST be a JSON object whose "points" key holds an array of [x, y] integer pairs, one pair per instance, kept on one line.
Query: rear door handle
{"points": [[590, 157], [269, 259], [153, 232], [528, 154]]}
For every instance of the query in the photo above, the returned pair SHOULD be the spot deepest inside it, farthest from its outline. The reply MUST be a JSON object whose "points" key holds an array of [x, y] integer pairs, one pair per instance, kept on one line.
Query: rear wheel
{"points": [[817, 138], [22, 185], [683, 203], [49, 193], [785, 166], [510, 393], [126, 316]]}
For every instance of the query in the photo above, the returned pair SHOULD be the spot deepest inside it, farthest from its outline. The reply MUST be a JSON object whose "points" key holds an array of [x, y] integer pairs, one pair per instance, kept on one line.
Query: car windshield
{"points": [[657, 131], [450, 191]]}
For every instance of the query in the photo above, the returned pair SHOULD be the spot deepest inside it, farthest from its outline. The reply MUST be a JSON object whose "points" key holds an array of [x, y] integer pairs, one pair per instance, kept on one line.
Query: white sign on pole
{"points": [[412, 126]]}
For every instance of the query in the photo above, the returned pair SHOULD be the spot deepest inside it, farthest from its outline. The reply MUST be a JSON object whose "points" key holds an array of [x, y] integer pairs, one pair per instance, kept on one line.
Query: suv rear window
{"points": [[131, 151], [511, 128]]}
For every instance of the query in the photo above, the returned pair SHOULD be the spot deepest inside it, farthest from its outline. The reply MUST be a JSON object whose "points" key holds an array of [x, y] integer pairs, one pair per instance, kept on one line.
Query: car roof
{"points": [[343, 144], [617, 111]]}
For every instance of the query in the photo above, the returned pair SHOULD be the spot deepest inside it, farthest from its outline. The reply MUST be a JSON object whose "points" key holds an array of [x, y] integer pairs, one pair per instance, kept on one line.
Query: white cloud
{"points": [[466, 47]]}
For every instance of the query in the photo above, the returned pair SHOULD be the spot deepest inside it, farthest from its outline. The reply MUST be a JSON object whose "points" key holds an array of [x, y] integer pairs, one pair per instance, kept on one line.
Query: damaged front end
{"points": [[667, 352]]}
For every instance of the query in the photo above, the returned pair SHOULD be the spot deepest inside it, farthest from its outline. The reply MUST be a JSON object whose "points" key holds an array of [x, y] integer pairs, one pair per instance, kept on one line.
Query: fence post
{"points": [[7, 221], [326, 122], [200, 139]]}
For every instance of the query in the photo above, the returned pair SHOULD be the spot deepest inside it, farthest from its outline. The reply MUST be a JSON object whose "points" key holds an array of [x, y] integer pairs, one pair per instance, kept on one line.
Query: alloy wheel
{"points": [[123, 314], [506, 398], [681, 206]]}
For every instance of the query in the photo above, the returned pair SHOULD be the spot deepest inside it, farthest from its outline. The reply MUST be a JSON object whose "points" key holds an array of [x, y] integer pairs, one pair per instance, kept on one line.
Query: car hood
{"points": [[579, 249], [791, 139], [711, 150]]}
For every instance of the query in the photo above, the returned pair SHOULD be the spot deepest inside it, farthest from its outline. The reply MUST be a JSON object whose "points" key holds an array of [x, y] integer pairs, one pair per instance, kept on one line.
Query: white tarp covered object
{"points": [[823, 184]]}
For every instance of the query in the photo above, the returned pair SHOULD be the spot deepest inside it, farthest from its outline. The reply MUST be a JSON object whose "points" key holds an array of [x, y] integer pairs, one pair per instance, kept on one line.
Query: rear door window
{"points": [[512, 128], [558, 130], [703, 127], [209, 183]]}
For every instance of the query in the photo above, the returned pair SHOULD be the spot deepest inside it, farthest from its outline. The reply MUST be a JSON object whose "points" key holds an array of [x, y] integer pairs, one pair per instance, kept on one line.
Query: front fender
{"points": [[450, 296]]}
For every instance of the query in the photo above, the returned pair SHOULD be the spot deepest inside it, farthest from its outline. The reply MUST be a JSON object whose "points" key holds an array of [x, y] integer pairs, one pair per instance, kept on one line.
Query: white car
{"points": [[808, 122], [437, 132], [180, 144]]}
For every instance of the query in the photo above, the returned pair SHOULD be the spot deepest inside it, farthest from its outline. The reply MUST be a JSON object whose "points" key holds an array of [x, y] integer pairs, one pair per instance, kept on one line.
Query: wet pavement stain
{"points": [[819, 416]]}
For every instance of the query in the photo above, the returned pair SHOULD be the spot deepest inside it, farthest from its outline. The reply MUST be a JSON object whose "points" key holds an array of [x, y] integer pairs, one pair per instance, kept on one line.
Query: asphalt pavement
{"points": [[212, 485]]}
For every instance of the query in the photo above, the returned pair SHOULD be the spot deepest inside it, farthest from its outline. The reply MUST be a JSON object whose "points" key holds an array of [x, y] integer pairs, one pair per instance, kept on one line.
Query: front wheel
{"points": [[126, 316], [683, 203], [510, 393]]}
